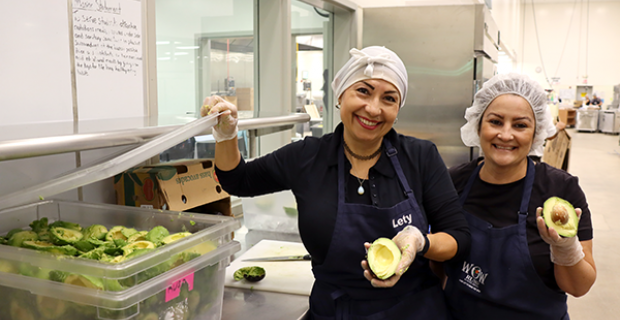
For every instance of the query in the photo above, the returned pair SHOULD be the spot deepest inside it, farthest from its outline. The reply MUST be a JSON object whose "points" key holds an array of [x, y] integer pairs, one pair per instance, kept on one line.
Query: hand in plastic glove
{"points": [[410, 241], [226, 127], [564, 251]]}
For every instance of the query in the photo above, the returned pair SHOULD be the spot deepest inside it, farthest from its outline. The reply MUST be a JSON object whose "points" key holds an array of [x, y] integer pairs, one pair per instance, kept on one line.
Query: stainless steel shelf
{"points": [[27, 148]]}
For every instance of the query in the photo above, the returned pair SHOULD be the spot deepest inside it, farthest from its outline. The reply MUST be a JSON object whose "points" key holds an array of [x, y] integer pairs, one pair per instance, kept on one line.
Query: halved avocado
{"points": [[137, 245], [138, 236], [383, 257], [62, 236], [252, 274], [115, 233], [174, 237], [560, 215]]}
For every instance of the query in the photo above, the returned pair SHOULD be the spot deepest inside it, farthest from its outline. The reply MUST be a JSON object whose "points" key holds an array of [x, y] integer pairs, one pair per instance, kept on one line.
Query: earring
{"points": [[396, 121], [338, 106]]}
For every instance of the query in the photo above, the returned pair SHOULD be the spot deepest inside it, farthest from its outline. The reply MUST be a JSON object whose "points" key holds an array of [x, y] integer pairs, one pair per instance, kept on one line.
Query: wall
{"points": [[569, 49]]}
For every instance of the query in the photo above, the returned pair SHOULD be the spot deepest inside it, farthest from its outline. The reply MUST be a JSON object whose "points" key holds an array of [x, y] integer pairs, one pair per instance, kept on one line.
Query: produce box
{"points": [[557, 151], [114, 290], [186, 185]]}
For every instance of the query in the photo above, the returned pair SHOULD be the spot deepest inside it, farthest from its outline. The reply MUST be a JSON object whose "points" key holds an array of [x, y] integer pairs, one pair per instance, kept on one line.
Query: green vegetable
{"points": [[21, 311], [7, 266], [383, 257], [96, 231], [84, 245], [3, 240], [252, 274], [174, 237], [51, 308], [137, 245], [94, 254], [17, 239], [157, 234], [66, 225], [39, 225], [115, 233], [62, 236], [138, 236], [51, 248], [560, 215], [12, 232], [128, 232], [45, 236]]}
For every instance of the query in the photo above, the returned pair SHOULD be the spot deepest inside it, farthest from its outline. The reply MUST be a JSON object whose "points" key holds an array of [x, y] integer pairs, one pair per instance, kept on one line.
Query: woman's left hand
{"points": [[564, 251]]}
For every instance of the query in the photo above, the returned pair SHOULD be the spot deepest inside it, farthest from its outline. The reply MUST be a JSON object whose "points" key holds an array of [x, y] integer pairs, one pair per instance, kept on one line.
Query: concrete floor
{"points": [[595, 159]]}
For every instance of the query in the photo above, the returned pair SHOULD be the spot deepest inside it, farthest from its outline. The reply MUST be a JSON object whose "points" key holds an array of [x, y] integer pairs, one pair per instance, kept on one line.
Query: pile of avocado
{"points": [[96, 242]]}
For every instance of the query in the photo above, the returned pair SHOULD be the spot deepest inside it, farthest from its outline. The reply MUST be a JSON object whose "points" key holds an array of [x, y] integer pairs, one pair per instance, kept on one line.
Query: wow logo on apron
{"points": [[473, 277]]}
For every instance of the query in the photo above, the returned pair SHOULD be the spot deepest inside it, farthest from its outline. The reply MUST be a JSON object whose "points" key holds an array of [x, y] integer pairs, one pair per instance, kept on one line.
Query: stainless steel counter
{"points": [[242, 304], [253, 304]]}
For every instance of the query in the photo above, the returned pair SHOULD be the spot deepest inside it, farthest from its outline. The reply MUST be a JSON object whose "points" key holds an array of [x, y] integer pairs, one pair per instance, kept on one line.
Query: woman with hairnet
{"points": [[517, 268], [362, 182]]}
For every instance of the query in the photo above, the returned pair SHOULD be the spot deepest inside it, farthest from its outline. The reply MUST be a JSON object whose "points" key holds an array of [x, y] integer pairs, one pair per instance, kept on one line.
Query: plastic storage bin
{"points": [[192, 291], [142, 278], [271, 212]]}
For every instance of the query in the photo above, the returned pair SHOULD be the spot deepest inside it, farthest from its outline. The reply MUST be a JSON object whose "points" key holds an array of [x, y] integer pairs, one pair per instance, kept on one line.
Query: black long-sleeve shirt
{"points": [[310, 169], [499, 204]]}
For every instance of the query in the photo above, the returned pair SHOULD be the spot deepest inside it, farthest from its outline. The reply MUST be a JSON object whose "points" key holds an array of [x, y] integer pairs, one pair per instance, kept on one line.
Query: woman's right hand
{"points": [[226, 127]]}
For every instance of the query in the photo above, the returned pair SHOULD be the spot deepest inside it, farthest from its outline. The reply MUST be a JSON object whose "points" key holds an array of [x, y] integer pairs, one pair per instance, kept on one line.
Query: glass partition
{"points": [[311, 29], [204, 47]]}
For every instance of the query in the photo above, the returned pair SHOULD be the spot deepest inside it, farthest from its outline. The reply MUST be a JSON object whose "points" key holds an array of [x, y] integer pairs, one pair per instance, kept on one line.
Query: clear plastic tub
{"points": [[191, 291], [209, 233], [271, 212]]}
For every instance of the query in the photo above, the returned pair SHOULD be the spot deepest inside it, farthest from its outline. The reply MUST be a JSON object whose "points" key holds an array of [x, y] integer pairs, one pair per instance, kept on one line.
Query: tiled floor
{"points": [[595, 159]]}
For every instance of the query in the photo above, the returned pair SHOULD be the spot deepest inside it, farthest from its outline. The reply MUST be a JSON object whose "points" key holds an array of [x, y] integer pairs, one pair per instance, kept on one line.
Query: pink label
{"points": [[174, 289]]}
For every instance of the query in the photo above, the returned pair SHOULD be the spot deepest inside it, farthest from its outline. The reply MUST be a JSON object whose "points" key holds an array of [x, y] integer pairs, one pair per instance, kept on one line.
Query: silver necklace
{"points": [[360, 190]]}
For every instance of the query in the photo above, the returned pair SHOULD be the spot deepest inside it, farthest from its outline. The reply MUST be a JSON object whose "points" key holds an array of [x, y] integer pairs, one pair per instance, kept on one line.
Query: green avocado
{"points": [[383, 258], [252, 274], [560, 215], [17, 239]]}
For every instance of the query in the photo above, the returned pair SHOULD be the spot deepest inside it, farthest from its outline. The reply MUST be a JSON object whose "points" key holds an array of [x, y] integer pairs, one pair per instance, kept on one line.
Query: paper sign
{"points": [[174, 289]]}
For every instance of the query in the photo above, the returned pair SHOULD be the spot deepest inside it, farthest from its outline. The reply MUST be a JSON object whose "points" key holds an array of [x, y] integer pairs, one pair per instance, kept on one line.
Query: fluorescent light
{"points": [[188, 48]]}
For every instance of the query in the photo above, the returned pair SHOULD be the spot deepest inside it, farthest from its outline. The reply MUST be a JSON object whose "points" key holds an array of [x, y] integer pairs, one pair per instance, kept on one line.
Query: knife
{"points": [[281, 258]]}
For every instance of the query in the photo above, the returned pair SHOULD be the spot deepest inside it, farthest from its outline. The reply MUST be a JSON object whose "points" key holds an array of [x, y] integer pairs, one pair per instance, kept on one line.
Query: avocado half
{"points": [[383, 257], [560, 215]]}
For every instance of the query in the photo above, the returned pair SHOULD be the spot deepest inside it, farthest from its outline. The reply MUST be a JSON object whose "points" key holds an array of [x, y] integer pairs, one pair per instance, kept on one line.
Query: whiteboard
{"points": [[107, 38], [35, 70]]}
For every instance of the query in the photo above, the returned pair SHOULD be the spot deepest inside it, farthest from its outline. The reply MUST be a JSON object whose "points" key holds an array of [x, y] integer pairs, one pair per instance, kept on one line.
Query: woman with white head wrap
{"points": [[518, 268], [360, 183]]}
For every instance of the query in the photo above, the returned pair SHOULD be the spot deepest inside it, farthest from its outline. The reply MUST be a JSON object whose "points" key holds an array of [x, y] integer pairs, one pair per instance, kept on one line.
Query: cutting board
{"points": [[293, 277]]}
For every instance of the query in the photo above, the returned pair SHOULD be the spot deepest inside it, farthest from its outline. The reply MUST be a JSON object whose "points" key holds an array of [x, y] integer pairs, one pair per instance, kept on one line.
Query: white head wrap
{"points": [[512, 83], [372, 63]]}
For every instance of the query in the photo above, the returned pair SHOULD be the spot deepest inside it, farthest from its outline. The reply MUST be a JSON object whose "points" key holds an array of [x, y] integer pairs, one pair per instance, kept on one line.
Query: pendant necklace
{"points": [[360, 190]]}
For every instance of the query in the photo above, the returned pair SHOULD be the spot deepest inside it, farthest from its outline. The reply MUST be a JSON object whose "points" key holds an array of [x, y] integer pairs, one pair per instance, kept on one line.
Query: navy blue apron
{"points": [[498, 279], [341, 291]]}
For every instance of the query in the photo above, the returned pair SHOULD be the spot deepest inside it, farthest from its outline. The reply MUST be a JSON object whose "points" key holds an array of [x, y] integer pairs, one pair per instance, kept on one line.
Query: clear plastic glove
{"points": [[410, 241], [226, 127], [564, 251]]}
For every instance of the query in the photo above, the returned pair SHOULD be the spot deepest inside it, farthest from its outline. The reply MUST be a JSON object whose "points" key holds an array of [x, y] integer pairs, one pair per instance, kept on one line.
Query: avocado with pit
{"points": [[383, 258], [560, 215]]}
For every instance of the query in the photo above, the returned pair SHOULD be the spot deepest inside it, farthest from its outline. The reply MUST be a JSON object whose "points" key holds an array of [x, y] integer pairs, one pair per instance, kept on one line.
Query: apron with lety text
{"points": [[341, 291]]}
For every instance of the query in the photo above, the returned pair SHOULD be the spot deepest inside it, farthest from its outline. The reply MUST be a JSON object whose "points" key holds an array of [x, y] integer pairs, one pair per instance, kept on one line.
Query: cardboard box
{"points": [[245, 99], [557, 151], [187, 185]]}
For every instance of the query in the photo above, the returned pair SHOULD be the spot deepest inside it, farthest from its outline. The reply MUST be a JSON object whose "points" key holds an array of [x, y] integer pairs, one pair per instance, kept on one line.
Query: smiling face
{"points": [[368, 109], [507, 130]]}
